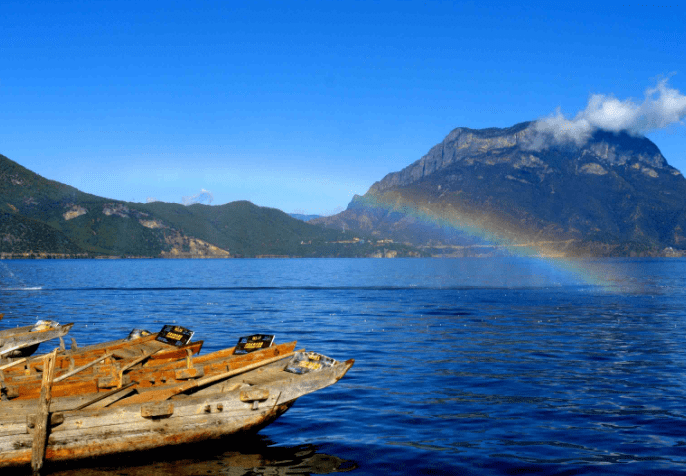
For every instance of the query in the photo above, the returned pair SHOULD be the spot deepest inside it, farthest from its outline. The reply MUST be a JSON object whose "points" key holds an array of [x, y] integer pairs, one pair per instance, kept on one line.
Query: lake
{"points": [[463, 366]]}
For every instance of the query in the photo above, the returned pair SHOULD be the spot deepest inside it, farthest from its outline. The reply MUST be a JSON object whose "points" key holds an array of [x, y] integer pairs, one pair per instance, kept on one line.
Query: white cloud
{"points": [[661, 107], [203, 196]]}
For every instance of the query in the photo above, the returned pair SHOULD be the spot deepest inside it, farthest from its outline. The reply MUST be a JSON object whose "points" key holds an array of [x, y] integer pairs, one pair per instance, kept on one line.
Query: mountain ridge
{"points": [[464, 143], [44, 218], [613, 195]]}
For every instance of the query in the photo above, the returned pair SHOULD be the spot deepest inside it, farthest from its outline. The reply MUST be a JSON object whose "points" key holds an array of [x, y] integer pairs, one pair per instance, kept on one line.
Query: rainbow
{"points": [[491, 230]]}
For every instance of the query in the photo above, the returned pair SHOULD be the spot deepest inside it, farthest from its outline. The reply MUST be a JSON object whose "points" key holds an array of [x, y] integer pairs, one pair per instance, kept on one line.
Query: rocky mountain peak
{"points": [[523, 145], [612, 194]]}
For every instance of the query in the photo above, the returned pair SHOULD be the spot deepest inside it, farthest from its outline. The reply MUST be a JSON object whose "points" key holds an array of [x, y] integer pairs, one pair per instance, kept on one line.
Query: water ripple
{"points": [[453, 375]]}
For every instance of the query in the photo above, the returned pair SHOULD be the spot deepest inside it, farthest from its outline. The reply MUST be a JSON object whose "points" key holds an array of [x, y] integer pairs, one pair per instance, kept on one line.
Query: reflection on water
{"points": [[249, 455]]}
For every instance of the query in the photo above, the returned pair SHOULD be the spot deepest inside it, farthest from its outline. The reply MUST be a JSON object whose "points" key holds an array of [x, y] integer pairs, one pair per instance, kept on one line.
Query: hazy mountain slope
{"points": [[243, 228], [95, 224], [45, 216], [22, 235]]}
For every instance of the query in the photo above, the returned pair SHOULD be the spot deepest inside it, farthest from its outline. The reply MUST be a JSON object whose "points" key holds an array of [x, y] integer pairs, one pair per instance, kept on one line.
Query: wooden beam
{"points": [[12, 364], [40, 433]]}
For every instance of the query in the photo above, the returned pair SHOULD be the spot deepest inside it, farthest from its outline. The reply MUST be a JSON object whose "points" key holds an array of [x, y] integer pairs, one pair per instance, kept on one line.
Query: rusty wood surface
{"points": [[28, 387], [147, 377], [137, 361], [82, 368], [83, 355], [211, 364], [140, 359], [220, 356], [166, 359], [169, 353], [166, 393], [103, 396]]}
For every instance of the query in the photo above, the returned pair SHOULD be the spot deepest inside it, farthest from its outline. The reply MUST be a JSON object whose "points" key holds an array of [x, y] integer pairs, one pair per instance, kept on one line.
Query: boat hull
{"points": [[21, 342], [227, 408]]}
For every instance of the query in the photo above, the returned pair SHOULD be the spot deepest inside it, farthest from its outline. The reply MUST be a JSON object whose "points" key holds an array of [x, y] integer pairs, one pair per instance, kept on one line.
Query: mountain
{"points": [[22, 235], [44, 218], [615, 195]]}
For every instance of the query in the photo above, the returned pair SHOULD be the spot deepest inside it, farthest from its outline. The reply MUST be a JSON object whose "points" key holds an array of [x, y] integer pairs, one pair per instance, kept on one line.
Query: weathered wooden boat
{"points": [[24, 341], [160, 352], [141, 379], [104, 373], [239, 400], [121, 349]]}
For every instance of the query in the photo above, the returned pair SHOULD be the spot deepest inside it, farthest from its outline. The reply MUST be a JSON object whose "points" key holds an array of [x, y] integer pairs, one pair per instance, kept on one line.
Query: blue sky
{"points": [[299, 105]]}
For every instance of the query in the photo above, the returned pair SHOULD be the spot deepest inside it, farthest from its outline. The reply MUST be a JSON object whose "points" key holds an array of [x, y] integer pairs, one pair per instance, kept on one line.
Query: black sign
{"points": [[306, 362], [175, 335], [252, 343]]}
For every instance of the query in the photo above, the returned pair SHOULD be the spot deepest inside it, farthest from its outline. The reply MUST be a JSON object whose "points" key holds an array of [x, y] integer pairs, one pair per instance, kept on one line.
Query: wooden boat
{"points": [[24, 341], [239, 400], [112, 373], [121, 349], [149, 377]]}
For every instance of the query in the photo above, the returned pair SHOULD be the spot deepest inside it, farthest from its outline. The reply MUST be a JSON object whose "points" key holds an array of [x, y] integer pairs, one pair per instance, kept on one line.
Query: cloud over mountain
{"points": [[661, 107], [204, 196]]}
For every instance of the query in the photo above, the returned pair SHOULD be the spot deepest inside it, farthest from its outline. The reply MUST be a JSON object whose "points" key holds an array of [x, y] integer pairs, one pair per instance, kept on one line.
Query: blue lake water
{"points": [[463, 366]]}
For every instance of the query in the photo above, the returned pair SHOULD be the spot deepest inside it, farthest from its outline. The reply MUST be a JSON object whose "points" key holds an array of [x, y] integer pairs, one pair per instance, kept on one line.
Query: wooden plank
{"points": [[140, 359], [40, 433], [164, 394], [251, 395], [29, 340], [157, 409], [142, 435], [83, 367], [15, 330], [8, 428], [12, 364], [125, 419], [187, 374], [104, 396]]}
